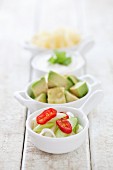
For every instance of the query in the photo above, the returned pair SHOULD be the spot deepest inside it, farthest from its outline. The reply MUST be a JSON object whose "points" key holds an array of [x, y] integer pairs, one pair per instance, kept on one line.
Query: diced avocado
{"points": [[56, 128], [39, 128], [42, 98], [32, 95], [73, 79], [78, 128], [60, 134], [66, 76], [56, 95], [69, 84], [57, 80], [80, 89], [73, 121], [70, 97], [39, 87]]}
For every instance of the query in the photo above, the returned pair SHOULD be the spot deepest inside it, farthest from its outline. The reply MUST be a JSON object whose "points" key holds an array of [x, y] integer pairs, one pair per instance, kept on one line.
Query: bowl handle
{"points": [[93, 100], [92, 81], [20, 96]]}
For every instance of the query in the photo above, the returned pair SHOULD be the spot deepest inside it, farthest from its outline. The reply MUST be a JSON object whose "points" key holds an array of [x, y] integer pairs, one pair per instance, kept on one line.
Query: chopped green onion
{"points": [[60, 58]]}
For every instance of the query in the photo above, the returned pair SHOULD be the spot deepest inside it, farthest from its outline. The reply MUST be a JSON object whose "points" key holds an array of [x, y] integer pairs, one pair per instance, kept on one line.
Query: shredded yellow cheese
{"points": [[58, 39]]}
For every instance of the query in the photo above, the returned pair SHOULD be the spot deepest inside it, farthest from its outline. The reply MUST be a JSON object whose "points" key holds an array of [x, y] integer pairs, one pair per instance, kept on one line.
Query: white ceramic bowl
{"points": [[67, 144], [41, 65], [24, 98]]}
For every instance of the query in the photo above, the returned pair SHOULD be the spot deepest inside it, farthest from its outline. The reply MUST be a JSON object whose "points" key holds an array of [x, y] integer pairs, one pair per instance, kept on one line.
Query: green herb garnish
{"points": [[60, 58]]}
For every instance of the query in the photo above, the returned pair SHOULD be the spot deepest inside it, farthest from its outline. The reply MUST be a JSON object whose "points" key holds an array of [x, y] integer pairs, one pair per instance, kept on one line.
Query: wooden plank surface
{"points": [[101, 120], [14, 74], [100, 64], [101, 136], [33, 158], [36, 159]]}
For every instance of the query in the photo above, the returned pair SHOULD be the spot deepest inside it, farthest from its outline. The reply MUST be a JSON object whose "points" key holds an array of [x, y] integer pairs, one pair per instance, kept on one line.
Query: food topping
{"points": [[58, 89], [60, 58], [64, 125], [45, 116], [52, 123], [58, 39]]}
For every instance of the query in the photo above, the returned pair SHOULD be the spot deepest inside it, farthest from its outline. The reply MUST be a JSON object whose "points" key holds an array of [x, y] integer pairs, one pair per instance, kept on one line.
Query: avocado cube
{"points": [[31, 94], [39, 87], [69, 84], [60, 134], [42, 98], [70, 97], [39, 128], [80, 89], [73, 79], [78, 128], [57, 80], [56, 95]]}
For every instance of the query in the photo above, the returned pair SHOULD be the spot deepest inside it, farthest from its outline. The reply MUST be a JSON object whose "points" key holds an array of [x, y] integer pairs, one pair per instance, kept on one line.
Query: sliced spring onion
{"points": [[47, 132]]}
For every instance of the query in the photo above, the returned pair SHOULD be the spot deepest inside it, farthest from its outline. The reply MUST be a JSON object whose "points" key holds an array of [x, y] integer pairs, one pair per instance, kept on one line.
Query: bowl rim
{"points": [[76, 54], [84, 117]]}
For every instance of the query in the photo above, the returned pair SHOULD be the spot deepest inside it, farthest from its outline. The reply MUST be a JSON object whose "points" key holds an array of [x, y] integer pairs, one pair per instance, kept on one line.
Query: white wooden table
{"points": [[16, 149]]}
